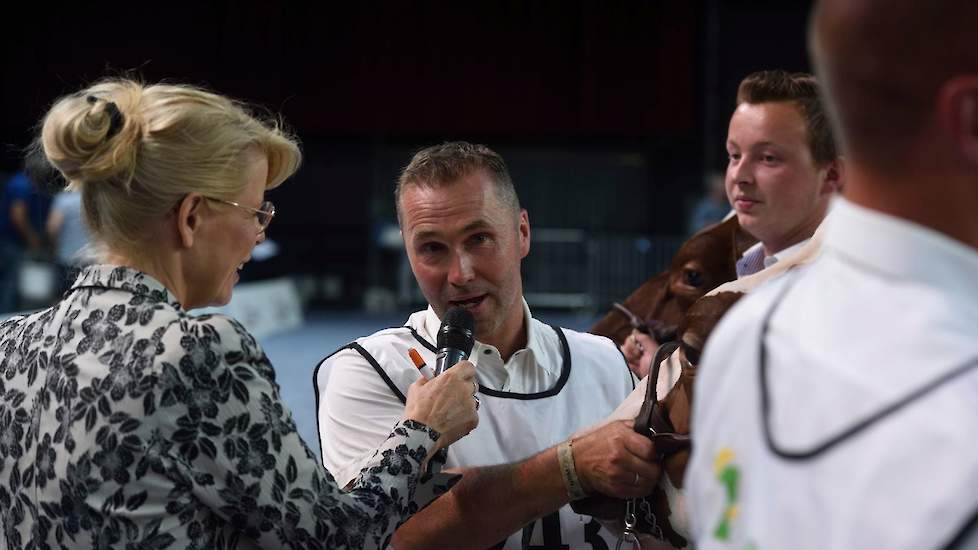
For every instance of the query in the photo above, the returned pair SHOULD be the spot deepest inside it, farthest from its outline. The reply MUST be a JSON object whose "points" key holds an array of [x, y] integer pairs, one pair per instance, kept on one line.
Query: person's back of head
{"points": [[134, 151], [884, 63], [902, 78]]}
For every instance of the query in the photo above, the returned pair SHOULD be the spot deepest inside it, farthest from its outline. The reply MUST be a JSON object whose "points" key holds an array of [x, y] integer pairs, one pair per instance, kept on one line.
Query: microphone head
{"points": [[457, 330]]}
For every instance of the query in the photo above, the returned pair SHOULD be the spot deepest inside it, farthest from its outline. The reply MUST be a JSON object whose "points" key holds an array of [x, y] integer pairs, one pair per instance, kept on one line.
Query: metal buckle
{"points": [[629, 535]]}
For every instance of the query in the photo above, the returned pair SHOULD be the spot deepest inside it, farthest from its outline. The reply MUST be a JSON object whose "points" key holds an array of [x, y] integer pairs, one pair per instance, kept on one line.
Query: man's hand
{"points": [[615, 461], [606, 460], [639, 349]]}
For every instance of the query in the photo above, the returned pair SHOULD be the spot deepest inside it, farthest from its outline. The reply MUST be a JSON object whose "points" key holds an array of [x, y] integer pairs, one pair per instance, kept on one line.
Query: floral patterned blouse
{"points": [[126, 422]]}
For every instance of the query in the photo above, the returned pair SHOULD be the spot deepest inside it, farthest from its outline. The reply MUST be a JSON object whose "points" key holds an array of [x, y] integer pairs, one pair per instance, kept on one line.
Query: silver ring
{"points": [[476, 397], [636, 480]]}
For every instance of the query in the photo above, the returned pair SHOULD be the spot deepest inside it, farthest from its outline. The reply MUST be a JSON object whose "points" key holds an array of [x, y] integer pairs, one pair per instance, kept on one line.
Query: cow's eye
{"points": [[693, 278]]}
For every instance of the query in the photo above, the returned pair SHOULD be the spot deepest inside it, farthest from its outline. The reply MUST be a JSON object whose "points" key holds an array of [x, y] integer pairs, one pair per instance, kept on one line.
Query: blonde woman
{"points": [[126, 421]]}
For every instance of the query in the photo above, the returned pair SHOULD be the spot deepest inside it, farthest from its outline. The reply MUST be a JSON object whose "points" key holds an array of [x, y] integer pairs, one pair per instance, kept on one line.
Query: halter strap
{"points": [[653, 419], [655, 328]]}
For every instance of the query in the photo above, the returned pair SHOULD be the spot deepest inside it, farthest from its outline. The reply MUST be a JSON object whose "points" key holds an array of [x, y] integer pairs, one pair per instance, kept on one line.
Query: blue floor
{"points": [[296, 353]]}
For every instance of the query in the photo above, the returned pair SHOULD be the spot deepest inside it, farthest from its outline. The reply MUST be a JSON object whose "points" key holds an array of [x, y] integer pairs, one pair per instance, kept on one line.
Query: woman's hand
{"points": [[446, 403]]}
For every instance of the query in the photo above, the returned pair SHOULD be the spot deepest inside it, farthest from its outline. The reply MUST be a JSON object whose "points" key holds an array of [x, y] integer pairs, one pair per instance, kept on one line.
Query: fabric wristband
{"points": [[565, 458]]}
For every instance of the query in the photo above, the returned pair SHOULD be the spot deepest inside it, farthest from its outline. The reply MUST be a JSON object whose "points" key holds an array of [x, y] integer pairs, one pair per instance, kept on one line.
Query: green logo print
{"points": [[728, 475]]}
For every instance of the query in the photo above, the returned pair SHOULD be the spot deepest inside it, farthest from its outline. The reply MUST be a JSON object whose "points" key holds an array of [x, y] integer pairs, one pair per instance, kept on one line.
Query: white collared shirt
{"points": [[529, 370], [888, 309]]}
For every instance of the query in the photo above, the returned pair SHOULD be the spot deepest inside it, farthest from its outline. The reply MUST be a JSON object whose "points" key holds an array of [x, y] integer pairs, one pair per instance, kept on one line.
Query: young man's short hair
{"points": [[801, 89]]}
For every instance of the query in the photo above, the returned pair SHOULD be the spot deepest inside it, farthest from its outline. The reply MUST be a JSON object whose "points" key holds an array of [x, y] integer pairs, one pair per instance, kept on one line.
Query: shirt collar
{"points": [[777, 256], [902, 249], [128, 279], [534, 339], [782, 254]]}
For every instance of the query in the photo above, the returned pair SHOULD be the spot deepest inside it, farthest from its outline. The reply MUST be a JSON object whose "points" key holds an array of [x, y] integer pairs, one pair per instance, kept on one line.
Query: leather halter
{"points": [[655, 328], [653, 418]]}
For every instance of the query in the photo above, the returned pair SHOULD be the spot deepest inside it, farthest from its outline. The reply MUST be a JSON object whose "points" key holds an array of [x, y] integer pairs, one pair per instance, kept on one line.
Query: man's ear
{"points": [[188, 218], [834, 177], [524, 230], [957, 106]]}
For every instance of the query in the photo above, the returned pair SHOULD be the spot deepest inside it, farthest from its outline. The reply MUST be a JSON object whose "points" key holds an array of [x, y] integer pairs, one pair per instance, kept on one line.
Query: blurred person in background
{"points": [[712, 206], [126, 421], [68, 236], [22, 215]]}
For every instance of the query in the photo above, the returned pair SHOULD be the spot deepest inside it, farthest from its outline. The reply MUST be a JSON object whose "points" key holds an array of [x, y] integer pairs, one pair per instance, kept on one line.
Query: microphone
{"points": [[455, 338]]}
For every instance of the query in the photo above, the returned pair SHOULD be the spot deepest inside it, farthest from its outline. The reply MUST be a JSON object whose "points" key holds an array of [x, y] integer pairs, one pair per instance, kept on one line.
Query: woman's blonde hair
{"points": [[134, 151]]}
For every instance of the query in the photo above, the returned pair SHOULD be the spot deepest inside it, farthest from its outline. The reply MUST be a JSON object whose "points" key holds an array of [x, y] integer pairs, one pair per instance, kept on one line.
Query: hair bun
{"points": [[90, 138], [116, 119]]}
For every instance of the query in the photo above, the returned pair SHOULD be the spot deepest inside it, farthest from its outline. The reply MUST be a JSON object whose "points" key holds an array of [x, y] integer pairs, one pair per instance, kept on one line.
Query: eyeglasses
{"points": [[263, 214]]}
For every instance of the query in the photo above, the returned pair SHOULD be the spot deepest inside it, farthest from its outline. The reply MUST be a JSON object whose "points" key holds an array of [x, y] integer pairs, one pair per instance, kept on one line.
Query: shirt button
{"points": [[487, 352]]}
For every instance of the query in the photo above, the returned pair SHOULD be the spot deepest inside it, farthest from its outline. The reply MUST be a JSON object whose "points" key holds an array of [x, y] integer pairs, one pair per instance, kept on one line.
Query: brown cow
{"points": [[704, 262]]}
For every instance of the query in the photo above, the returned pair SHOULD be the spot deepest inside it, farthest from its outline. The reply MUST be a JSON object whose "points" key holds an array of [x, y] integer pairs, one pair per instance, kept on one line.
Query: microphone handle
{"points": [[448, 357]]}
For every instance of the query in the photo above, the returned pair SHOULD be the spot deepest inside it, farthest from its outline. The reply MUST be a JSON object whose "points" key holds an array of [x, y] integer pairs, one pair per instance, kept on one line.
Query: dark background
{"points": [[608, 113]]}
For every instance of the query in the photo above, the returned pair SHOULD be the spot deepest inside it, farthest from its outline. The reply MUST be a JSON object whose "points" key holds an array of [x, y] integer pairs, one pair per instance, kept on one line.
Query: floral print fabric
{"points": [[126, 422]]}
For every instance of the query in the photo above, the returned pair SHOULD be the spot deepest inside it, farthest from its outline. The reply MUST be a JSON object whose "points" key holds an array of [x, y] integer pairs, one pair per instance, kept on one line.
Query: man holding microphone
{"points": [[465, 236]]}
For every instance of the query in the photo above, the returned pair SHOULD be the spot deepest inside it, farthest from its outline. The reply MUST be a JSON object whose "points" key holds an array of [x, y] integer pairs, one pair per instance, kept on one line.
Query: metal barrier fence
{"points": [[570, 269]]}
